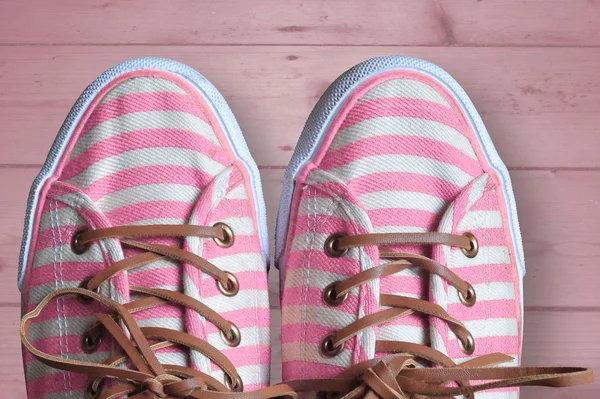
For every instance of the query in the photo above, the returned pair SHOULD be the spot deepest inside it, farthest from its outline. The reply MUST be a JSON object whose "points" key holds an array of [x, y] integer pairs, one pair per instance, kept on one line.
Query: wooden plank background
{"points": [[530, 66]]}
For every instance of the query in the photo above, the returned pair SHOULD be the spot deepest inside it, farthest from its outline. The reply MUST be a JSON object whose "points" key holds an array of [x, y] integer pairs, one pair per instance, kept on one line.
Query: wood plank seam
{"points": [[283, 167]]}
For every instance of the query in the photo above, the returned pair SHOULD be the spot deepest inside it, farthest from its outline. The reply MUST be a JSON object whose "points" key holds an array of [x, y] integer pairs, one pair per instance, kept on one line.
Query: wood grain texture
{"points": [[12, 381], [423, 22], [523, 22], [559, 214], [541, 106]]}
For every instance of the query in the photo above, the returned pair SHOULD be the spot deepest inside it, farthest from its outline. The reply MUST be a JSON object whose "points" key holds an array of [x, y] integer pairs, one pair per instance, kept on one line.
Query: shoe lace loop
{"points": [[147, 377]]}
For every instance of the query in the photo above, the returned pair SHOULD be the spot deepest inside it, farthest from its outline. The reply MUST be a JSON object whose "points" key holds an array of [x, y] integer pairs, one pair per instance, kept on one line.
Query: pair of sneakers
{"points": [[145, 251]]}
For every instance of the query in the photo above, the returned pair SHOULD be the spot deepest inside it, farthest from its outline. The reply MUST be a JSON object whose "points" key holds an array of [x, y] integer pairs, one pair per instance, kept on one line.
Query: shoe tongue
{"points": [[151, 204], [460, 216], [411, 203]]}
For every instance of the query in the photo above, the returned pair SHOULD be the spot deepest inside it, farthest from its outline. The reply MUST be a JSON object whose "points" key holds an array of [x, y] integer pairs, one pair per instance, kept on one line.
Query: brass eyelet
{"points": [[76, 246], [233, 338], [474, 248], [229, 237], [84, 284], [327, 347], [232, 286], [331, 246], [89, 344], [468, 347], [237, 386], [470, 298], [90, 392], [330, 296]]}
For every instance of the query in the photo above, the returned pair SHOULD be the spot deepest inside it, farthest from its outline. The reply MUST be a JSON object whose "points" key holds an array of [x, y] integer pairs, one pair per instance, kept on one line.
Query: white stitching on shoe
{"points": [[307, 269], [62, 283], [247, 246], [58, 316]]}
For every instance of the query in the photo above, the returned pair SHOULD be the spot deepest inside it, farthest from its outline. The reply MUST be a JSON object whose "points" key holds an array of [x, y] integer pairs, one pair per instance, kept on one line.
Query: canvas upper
{"points": [[150, 149], [400, 155]]}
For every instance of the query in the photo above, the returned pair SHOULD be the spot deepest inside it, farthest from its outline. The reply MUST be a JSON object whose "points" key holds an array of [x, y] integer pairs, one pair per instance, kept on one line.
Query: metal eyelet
{"points": [[331, 246], [228, 236], [90, 392], [86, 299], [89, 344], [468, 347], [237, 386], [233, 338], [232, 286], [470, 298], [330, 296], [76, 245], [327, 347], [474, 248]]}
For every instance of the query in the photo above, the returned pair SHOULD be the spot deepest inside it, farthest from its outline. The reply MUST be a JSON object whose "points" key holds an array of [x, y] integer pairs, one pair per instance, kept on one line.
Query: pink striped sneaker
{"points": [[143, 265], [398, 240]]}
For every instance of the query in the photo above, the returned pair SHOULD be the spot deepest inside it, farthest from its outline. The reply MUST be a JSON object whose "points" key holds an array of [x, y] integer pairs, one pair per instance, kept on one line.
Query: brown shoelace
{"points": [[396, 375], [148, 378]]}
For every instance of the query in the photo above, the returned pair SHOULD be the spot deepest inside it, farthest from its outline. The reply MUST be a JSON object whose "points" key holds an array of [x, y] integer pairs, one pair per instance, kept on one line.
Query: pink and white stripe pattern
{"points": [[400, 156], [149, 152]]}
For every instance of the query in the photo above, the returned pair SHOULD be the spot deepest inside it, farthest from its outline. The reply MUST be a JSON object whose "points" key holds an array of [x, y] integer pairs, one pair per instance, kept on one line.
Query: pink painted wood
{"points": [[318, 22], [529, 65]]}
